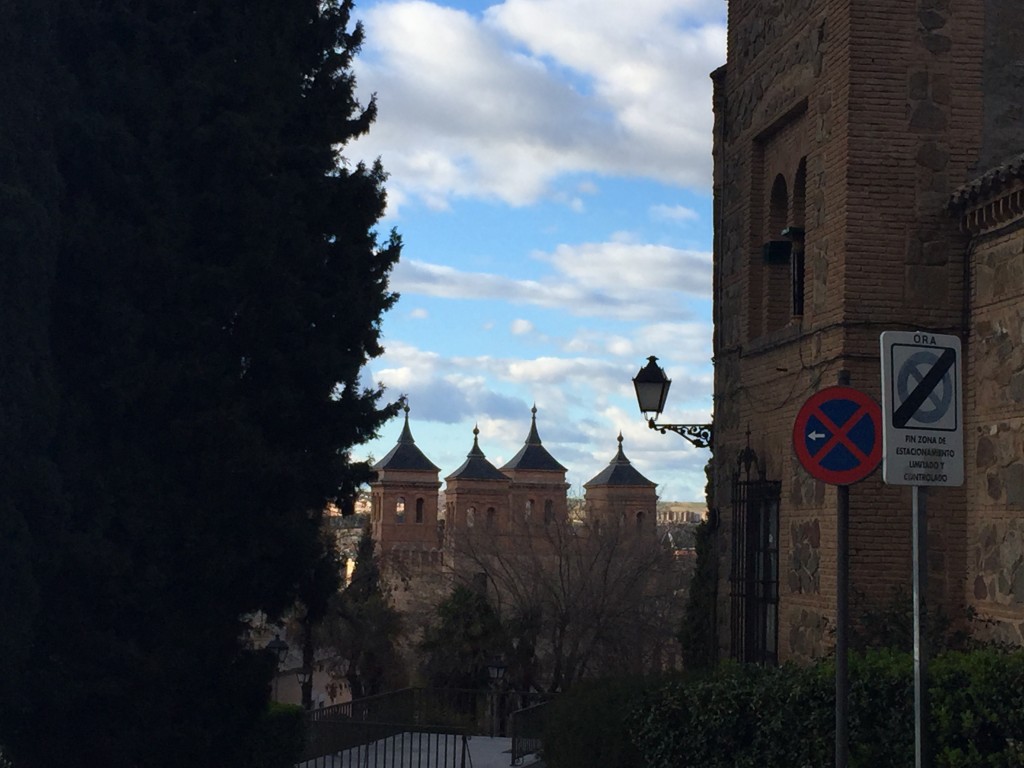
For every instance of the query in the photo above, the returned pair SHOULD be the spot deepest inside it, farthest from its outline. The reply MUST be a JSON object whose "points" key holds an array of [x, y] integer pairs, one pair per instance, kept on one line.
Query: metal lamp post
{"points": [[496, 672], [652, 387], [279, 648], [304, 676]]}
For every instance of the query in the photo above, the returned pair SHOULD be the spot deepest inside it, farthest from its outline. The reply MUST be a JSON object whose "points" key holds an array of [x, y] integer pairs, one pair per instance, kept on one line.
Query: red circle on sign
{"points": [[832, 439]]}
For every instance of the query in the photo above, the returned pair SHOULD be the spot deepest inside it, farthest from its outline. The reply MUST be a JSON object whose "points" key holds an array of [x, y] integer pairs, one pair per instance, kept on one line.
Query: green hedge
{"points": [[280, 737], [744, 716], [586, 725]]}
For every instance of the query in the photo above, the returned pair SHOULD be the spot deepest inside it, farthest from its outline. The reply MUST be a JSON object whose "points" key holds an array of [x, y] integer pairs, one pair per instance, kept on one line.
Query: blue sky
{"points": [[550, 175]]}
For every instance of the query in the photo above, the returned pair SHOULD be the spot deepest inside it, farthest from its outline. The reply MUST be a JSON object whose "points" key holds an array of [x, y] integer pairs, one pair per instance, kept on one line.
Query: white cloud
{"points": [[473, 107], [521, 327], [673, 213], [627, 281], [419, 314]]}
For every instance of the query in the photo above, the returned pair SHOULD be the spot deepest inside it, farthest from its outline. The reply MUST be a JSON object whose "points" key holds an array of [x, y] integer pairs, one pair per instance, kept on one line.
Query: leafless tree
{"points": [[580, 599]]}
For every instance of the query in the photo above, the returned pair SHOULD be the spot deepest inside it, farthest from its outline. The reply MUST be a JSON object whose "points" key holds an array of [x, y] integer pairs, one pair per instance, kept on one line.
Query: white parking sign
{"points": [[922, 419]]}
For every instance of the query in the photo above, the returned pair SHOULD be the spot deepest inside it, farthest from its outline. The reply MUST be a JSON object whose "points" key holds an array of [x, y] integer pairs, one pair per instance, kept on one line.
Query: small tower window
{"points": [[419, 510], [400, 510], [492, 518], [529, 509], [549, 512], [470, 517], [640, 515]]}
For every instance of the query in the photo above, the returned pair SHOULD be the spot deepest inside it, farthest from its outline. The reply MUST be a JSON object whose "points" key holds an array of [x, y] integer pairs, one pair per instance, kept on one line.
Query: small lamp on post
{"points": [[652, 387], [496, 669], [304, 676], [496, 672], [279, 648]]}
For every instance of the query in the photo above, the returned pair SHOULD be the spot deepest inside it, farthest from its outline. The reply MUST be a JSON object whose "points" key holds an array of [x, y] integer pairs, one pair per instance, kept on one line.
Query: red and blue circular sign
{"points": [[838, 435]]}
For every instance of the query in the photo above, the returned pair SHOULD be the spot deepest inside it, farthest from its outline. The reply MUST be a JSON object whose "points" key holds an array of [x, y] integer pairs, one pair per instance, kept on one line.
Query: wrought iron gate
{"points": [[754, 574]]}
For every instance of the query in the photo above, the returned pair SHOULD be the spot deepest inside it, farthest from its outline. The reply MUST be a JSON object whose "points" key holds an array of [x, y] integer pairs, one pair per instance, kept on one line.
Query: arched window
{"points": [[640, 515], [492, 518], [549, 512], [470, 517], [419, 510], [528, 511], [400, 509]]}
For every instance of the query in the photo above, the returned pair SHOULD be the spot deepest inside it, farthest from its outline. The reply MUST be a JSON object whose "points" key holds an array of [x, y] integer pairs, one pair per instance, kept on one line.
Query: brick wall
{"points": [[879, 102]]}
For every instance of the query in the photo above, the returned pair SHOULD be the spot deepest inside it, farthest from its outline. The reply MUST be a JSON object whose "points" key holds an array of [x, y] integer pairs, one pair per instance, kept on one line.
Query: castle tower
{"points": [[538, 493], [476, 494], [404, 495], [841, 131], [619, 494]]}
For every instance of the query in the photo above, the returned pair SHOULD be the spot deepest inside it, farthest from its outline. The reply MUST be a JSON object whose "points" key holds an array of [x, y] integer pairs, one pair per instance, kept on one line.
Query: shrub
{"points": [[586, 725], [280, 737], [746, 716]]}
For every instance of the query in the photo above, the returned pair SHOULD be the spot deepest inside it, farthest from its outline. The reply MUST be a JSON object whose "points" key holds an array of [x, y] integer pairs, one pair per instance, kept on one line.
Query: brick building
{"points": [[420, 538], [865, 180]]}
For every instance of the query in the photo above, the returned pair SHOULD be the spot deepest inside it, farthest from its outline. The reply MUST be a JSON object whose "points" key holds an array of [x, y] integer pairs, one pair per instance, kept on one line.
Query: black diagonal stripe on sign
{"points": [[924, 388]]}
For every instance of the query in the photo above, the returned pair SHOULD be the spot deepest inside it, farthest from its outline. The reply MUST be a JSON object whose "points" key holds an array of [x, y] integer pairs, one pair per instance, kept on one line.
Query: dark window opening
{"points": [[754, 573]]}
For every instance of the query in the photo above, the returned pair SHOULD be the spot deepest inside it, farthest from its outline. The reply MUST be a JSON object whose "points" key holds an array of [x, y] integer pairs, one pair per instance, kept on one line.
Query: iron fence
{"points": [[344, 743], [527, 728], [423, 727]]}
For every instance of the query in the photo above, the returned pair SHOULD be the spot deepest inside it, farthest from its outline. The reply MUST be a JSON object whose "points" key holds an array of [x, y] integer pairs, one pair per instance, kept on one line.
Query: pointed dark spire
{"points": [[619, 472], [534, 437], [533, 455], [476, 466], [620, 456], [405, 455], [406, 437]]}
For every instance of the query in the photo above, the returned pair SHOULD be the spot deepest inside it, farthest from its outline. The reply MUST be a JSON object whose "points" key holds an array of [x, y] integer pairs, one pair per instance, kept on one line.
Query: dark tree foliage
{"points": [[697, 635], [362, 628], [191, 286], [467, 635]]}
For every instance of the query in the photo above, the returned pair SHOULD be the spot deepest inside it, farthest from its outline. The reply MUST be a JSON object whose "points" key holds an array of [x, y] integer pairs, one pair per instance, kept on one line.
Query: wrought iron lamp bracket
{"points": [[697, 434]]}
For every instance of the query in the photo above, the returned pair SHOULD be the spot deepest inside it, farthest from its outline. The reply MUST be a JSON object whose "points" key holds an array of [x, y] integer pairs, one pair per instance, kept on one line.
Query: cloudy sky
{"points": [[550, 175]]}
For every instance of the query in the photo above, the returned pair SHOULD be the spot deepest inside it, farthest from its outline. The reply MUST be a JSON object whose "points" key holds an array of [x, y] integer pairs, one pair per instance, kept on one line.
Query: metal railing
{"points": [[424, 727], [353, 744], [527, 727]]}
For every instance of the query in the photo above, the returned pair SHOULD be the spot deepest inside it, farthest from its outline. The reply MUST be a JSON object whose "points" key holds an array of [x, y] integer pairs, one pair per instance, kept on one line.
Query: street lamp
{"points": [[652, 386], [304, 676], [279, 648], [496, 671]]}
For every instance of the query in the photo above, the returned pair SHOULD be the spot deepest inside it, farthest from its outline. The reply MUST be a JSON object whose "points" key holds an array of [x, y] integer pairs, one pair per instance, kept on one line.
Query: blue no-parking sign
{"points": [[837, 435]]}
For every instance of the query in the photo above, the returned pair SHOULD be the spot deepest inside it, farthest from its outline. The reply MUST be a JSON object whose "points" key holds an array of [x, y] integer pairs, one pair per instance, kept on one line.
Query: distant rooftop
{"points": [[405, 455], [620, 472], [533, 455]]}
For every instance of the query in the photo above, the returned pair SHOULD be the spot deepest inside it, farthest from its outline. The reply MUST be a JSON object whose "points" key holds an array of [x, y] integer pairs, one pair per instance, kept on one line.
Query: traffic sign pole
{"points": [[837, 436], [842, 614], [922, 396], [922, 752]]}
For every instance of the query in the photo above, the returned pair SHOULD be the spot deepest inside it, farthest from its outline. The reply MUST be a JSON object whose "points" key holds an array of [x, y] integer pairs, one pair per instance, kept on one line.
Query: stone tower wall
{"points": [[870, 113]]}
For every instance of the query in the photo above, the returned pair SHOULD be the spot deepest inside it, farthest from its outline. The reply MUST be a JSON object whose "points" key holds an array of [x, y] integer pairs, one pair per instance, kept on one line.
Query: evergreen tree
{"points": [[195, 285], [362, 628], [697, 634], [468, 634]]}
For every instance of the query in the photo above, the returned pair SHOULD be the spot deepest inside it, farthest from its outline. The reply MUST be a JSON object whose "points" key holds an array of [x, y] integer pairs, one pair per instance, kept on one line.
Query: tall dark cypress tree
{"points": [[207, 286]]}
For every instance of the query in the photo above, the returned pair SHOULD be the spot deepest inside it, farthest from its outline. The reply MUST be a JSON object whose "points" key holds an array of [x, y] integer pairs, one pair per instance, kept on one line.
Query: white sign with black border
{"points": [[922, 409]]}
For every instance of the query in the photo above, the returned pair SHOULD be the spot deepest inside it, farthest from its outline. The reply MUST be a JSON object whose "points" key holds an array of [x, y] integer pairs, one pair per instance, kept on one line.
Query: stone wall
{"points": [[994, 429]]}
